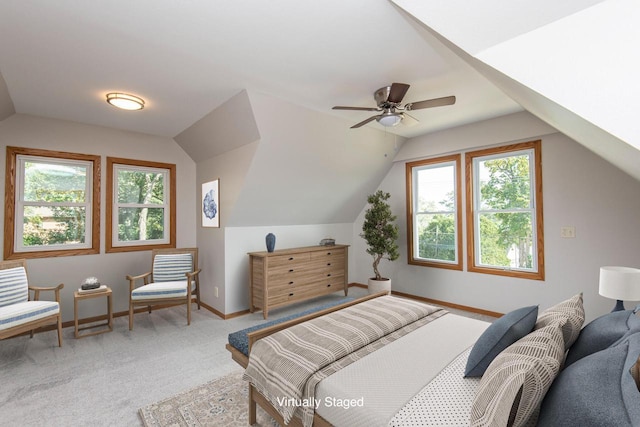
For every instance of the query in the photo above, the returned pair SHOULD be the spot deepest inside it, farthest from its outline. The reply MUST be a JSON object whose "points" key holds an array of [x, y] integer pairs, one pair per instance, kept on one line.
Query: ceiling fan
{"points": [[388, 99]]}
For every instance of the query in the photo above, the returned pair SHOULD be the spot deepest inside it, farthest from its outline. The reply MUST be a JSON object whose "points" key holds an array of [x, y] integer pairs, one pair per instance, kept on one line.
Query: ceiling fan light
{"points": [[389, 120], [125, 101]]}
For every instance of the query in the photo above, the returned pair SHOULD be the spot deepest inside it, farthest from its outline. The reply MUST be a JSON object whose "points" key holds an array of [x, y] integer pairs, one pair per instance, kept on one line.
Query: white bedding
{"points": [[372, 390], [444, 402]]}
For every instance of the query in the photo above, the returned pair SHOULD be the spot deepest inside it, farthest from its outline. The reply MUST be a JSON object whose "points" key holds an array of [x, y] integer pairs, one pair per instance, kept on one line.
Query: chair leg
{"points": [[188, 310], [59, 331], [198, 296], [31, 333], [130, 316]]}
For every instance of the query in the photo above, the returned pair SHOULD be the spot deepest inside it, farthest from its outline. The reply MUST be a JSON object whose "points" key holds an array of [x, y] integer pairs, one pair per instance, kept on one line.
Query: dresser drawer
{"points": [[288, 260], [286, 276], [328, 253]]}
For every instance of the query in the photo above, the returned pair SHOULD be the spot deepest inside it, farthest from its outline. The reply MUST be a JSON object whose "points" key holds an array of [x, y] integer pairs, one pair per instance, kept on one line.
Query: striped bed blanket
{"points": [[285, 367]]}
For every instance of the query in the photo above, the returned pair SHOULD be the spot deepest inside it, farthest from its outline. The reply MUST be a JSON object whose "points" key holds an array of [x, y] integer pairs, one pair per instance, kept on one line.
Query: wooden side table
{"points": [[77, 296]]}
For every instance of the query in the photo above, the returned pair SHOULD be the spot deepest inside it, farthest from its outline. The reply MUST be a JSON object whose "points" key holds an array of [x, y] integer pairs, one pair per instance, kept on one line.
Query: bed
{"points": [[428, 367]]}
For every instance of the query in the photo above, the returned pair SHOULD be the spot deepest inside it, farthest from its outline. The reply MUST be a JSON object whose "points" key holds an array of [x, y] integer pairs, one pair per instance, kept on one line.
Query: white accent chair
{"points": [[18, 312], [173, 280]]}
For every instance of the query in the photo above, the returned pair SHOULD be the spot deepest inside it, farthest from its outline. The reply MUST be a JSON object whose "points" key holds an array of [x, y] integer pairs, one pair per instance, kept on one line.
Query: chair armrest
{"points": [[36, 291], [132, 280], [193, 274], [139, 277]]}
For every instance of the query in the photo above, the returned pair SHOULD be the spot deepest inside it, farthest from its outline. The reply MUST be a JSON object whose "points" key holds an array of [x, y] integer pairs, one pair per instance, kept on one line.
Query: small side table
{"points": [[77, 296]]}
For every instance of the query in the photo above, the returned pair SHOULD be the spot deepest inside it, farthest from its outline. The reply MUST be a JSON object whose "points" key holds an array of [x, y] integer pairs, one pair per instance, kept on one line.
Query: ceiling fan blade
{"points": [[340, 107], [364, 122], [436, 102], [409, 120], [397, 92]]}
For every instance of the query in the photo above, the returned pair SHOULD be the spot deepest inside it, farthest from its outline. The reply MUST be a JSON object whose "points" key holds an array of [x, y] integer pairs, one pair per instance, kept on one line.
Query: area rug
{"points": [[220, 402]]}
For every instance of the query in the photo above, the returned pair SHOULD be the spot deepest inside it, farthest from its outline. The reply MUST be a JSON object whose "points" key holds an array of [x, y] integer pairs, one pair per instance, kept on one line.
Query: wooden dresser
{"points": [[286, 276]]}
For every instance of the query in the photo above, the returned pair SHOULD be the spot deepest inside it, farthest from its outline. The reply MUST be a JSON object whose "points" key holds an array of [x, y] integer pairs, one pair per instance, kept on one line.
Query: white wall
{"points": [[580, 189], [50, 134], [241, 240]]}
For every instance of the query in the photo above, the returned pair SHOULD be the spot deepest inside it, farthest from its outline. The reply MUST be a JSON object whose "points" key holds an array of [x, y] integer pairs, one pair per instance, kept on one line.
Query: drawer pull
{"points": [[329, 285], [329, 275], [328, 253], [328, 264], [291, 271], [290, 258], [290, 295], [291, 283]]}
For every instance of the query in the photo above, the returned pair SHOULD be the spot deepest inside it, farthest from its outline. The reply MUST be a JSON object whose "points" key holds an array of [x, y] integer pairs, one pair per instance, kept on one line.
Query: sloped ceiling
{"points": [[308, 168], [573, 66], [186, 58], [6, 104]]}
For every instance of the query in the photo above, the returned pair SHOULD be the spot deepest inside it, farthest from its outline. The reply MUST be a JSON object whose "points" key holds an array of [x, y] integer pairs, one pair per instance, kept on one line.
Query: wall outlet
{"points": [[215, 291], [568, 232]]}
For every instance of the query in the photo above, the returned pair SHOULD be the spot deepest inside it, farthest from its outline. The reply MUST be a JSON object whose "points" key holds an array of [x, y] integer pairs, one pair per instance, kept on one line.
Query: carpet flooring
{"points": [[104, 379]]}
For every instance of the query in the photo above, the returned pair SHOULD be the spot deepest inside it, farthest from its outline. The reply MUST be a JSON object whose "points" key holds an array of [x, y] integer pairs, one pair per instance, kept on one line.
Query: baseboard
{"points": [[71, 324]]}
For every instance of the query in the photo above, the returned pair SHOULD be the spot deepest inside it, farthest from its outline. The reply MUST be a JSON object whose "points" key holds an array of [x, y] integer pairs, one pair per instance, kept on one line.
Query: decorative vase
{"points": [[376, 286], [271, 242]]}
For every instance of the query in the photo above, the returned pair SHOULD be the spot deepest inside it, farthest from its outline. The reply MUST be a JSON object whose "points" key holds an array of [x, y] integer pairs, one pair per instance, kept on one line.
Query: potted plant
{"points": [[381, 234]]}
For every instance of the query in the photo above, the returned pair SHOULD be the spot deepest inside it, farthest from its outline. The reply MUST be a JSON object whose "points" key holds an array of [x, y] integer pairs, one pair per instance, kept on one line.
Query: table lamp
{"points": [[620, 283]]}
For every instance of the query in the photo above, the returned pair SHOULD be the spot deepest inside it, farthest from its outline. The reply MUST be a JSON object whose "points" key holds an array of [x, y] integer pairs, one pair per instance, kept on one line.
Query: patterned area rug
{"points": [[220, 402]]}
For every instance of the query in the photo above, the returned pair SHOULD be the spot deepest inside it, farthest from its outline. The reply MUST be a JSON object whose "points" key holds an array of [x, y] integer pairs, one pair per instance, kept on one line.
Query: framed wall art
{"points": [[210, 206]]}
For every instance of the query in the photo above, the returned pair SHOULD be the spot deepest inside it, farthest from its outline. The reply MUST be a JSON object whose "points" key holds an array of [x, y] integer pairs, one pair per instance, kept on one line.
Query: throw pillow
{"points": [[500, 335], [510, 391], [597, 390], [602, 333], [569, 313]]}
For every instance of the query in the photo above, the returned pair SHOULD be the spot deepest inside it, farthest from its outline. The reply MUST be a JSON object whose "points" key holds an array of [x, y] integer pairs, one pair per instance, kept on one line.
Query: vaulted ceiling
{"points": [[571, 63], [59, 59]]}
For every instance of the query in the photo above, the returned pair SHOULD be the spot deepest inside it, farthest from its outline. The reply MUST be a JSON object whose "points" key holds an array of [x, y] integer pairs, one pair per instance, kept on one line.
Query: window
{"points": [[504, 211], [433, 212], [141, 205], [52, 204]]}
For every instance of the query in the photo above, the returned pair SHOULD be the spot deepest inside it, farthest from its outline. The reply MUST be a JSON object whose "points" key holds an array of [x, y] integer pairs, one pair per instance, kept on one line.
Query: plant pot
{"points": [[376, 286]]}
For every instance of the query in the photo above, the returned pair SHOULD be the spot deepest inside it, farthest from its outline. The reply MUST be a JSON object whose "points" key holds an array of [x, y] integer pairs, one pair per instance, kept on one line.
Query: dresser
{"points": [[286, 276]]}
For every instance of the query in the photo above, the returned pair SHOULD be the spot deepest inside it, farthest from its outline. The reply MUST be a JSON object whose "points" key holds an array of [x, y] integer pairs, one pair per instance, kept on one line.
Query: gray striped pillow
{"points": [[513, 386], [13, 286], [570, 315], [171, 267]]}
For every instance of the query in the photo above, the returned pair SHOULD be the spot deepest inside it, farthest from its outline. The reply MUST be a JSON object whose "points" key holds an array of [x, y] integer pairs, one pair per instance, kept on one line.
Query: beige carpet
{"points": [[220, 402]]}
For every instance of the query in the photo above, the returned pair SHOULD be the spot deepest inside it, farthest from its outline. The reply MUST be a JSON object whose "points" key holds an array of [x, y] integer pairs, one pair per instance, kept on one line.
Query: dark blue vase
{"points": [[271, 242]]}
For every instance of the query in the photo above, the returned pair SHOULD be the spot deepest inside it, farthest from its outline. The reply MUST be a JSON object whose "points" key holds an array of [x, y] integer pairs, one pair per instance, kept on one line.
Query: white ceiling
{"points": [[185, 58]]}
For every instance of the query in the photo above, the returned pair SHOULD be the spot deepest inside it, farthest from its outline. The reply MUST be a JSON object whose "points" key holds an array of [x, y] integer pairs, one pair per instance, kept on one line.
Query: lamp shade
{"points": [[620, 283]]}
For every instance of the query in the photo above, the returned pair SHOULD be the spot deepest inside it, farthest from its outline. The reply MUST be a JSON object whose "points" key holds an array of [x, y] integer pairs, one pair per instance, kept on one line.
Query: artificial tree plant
{"points": [[380, 231]]}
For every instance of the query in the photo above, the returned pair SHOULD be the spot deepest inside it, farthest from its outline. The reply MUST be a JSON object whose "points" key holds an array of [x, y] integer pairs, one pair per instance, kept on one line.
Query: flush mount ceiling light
{"points": [[125, 101]]}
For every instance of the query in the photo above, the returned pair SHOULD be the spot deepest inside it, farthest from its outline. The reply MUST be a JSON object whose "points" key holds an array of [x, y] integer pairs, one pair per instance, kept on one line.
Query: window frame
{"points": [[472, 218], [114, 163], [14, 177], [456, 160]]}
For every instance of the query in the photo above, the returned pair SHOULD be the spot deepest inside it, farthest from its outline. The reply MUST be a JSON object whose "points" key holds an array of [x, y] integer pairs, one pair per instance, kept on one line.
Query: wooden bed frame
{"points": [[255, 397]]}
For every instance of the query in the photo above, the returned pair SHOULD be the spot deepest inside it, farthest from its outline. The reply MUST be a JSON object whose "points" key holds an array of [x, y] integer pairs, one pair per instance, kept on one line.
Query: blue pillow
{"points": [[500, 335], [603, 332], [597, 390]]}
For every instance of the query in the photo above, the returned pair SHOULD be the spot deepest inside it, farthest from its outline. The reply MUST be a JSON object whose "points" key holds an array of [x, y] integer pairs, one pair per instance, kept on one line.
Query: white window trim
{"points": [[20, 203], [166, 205]]}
